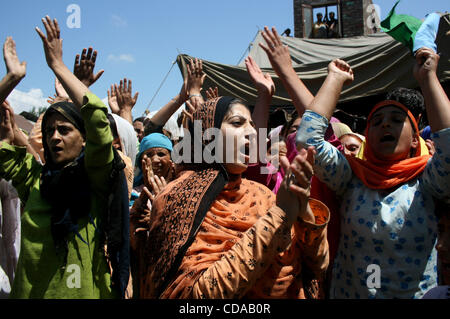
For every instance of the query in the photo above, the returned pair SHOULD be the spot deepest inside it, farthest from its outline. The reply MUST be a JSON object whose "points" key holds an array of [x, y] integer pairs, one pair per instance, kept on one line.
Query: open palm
{"points": [[262, 81], [13, 65]]}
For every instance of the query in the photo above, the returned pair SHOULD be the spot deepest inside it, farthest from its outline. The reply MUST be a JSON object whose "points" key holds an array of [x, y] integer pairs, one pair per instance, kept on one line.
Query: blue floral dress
{"points": [[387, 241]]}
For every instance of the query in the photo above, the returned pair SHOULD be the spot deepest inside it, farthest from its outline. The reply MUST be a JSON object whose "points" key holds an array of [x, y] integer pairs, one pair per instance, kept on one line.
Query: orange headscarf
{"points": [[383, 174]]}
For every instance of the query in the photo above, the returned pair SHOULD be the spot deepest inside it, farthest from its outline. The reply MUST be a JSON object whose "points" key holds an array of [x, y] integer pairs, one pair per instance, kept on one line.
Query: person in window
{"points": [[319, 28], [332, 25]]}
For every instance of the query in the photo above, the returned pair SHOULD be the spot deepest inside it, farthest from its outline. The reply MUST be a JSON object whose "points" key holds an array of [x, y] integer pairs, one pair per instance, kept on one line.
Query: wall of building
{"points": [[354, 14]]}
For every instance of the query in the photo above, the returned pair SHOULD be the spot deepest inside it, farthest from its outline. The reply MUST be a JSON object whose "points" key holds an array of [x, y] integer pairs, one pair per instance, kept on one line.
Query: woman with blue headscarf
{"points": [[154, 166], [154, 169]]}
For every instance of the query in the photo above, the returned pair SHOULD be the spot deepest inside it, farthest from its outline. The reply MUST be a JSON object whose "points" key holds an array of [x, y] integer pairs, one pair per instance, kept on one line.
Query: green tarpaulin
{"points": [[379, 62]]}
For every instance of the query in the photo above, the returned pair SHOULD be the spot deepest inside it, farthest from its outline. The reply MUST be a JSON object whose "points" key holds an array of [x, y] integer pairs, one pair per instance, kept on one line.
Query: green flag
{"points": [[401, 27]]}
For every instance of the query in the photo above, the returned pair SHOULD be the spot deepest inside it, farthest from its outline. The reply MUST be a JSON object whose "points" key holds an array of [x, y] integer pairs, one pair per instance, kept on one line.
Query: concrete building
{"points": [[356, 17]]}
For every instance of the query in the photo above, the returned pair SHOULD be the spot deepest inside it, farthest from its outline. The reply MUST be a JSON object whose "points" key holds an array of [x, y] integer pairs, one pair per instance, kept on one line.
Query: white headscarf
{"points": [[127, 136], [171, 124]]}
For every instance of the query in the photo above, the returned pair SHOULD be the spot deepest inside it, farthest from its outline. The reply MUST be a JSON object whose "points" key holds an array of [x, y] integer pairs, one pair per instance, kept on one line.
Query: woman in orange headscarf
{"points": [[388, 225], [214, 234]]}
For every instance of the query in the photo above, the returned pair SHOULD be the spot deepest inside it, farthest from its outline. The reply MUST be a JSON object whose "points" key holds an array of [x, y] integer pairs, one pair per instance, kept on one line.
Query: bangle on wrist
{"points": [[192, 95]]}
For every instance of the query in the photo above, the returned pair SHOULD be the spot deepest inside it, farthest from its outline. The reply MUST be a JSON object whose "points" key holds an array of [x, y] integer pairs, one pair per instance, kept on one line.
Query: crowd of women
{"points": [[96, 204]]}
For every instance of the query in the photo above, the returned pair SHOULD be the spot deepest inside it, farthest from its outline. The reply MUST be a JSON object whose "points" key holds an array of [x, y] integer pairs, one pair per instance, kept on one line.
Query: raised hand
{"points": [[276, 51], [280, 59], [112, 101], [436, 100], [84, 67], [125, 100], [158, 184], [426, 64], [266, 89], [196, 77], [52, 42], [13, 66], [59, 89], [53, 54], [152, 181], [212, 93], [188, 112], [262, 81], [324, 103], [6, 124], [147, 171], [61, 94], [342, 70], [55, 99], [18, 136]]}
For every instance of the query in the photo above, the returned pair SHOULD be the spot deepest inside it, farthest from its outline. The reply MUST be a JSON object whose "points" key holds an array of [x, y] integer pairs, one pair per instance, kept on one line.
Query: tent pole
{"points": [[248, 48], [159, 88]]}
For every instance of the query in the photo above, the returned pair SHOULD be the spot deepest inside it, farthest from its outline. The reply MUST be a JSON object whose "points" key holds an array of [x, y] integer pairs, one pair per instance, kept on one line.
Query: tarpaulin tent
{"points": [[379, 62]]}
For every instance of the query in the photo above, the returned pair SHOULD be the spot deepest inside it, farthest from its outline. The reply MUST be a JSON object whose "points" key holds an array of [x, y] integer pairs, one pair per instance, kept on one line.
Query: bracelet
{"points": [[192, 95]]}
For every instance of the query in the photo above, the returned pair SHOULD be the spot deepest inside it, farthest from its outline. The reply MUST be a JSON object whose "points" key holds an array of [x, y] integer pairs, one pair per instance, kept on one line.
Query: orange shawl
{"points": [[382, 174], [235, 210], [179, 210], [232, 213]]}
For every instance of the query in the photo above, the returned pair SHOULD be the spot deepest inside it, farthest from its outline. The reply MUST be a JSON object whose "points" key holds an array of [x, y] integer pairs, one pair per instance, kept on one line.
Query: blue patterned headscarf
{"points": [[150, 141]]}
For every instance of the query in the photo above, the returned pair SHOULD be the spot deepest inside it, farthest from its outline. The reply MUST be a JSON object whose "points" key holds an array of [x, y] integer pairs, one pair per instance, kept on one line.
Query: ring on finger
{"points": [[291, 179]]}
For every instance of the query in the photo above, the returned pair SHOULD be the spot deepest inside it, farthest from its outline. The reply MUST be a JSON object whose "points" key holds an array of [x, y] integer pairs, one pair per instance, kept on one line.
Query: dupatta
{"points": [[383, 174], [180, 209]]}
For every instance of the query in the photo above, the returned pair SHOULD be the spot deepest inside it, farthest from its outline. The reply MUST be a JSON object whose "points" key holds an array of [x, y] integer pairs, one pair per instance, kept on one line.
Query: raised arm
{"points": [[280, 59], [84, 67], [339, 73], [11, 133], [125, 99], [212, 93], [163, 115], [15, 164], [112, 100], [436, 101], [265, 88], [53, 54], [190, 90], [60, 94], [15, 70], [331, 166], [6, 125]]}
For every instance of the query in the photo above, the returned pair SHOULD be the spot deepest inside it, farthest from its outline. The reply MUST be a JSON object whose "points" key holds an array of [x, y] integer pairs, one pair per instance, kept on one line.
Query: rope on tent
{"points": [[159, 88], [249, 47]]}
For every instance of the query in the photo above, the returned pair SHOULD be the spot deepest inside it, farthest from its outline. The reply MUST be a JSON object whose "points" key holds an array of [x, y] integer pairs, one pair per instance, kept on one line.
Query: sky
{"points": [[140, 39]]}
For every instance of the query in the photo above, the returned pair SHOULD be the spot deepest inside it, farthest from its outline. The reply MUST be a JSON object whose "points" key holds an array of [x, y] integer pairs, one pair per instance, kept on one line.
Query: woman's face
{"points": [[294, 126], [161, 161], [391, 135], [238, 131], [139, 129], [63, 139], [351, 144]]}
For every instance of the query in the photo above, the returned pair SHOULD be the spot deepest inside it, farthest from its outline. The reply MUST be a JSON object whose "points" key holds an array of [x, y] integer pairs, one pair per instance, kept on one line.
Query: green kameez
{"points": [[40, 272]]}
